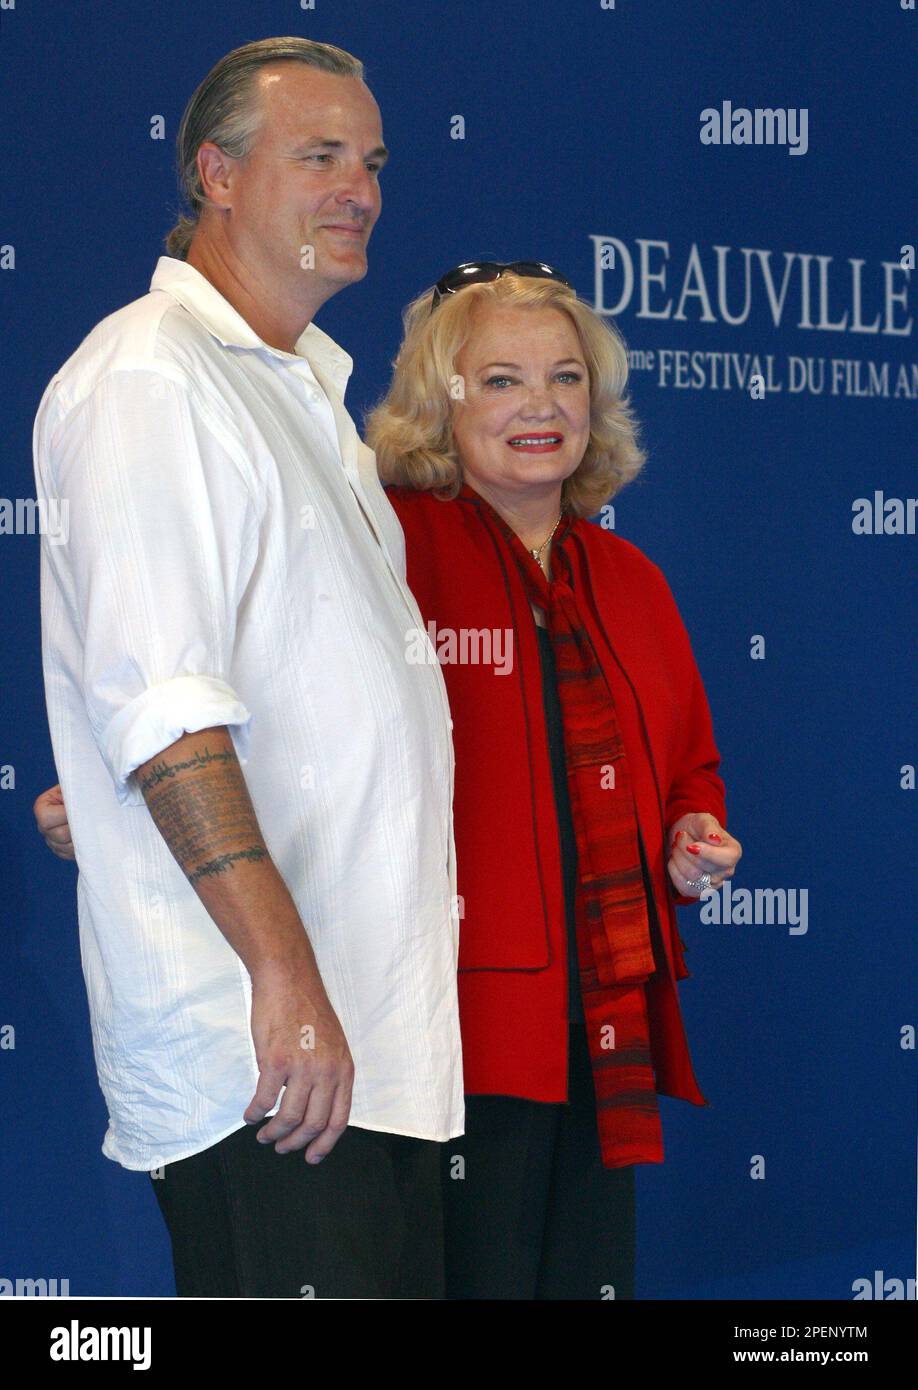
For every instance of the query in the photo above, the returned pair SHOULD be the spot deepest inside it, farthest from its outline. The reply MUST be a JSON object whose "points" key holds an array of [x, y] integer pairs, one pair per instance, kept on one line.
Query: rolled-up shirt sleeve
{"points": [[162, 539]]}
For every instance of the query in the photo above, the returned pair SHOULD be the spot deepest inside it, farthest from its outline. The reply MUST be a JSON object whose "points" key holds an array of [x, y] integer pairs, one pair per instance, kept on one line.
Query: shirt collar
{"points": [[204, 301]]}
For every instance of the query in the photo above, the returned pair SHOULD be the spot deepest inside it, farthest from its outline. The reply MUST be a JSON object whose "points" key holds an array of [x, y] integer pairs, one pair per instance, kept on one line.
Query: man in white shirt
{"points": [[277, 940]]}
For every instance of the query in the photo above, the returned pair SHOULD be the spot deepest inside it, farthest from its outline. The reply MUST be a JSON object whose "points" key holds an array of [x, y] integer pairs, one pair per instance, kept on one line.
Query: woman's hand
{"points": [[699, 844], [51, 818]]}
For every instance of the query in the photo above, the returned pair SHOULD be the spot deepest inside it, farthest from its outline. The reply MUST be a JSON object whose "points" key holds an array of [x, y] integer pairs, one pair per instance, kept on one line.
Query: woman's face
{"points": [[524, 422]]}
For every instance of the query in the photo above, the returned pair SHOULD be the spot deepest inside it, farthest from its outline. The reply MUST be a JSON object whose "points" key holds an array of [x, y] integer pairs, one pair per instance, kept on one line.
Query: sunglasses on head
{"points": [[478, 272]]}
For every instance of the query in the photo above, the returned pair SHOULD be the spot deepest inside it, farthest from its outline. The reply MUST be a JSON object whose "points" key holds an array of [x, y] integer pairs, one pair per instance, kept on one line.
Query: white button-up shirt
{"points": [[226, 556]]}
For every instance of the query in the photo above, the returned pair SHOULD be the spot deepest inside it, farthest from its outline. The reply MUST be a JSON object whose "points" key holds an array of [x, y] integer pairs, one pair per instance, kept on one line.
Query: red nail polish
{"points": [[712, 836], [693, 849]]}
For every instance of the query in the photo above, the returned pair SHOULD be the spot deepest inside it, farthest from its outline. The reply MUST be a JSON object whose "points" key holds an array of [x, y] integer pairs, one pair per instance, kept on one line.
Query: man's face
{"points": [[311, 180]]}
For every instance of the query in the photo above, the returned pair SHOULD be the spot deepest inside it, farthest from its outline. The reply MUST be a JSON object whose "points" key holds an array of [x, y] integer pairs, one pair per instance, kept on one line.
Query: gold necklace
{"points": [[537, 554]]}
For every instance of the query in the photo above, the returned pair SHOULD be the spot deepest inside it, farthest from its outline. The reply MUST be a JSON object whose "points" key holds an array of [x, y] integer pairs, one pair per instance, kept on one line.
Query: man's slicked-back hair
{"points": [[225, 110]]}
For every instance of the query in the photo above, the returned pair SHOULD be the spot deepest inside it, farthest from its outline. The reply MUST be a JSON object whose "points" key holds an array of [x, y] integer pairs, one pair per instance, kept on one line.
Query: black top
{"points": [[555, 728]]}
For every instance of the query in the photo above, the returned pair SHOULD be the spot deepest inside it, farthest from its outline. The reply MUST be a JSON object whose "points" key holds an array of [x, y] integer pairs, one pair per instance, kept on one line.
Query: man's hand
{"points": [[299, 1045], [51, 818]]}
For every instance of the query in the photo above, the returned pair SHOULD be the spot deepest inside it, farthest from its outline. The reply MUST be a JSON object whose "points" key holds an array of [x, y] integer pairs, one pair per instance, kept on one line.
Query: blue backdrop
{"points": [[581, 140]]}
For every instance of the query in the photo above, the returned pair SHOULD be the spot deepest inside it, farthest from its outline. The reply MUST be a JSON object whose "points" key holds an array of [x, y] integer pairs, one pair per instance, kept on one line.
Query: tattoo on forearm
{"points": [[225, 861], [159, 771], [203, 811]]}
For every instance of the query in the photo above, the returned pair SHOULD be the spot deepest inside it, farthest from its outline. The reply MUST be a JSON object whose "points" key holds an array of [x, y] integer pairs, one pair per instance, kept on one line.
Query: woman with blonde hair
{"points": [[587, 800]]}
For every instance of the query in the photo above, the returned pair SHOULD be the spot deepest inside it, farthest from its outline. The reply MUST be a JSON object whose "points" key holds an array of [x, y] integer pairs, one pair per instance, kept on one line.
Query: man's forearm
{"points": [[198, 798]]}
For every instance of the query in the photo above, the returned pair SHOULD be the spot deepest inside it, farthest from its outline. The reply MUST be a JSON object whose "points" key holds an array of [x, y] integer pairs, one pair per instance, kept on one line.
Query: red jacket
{"points": [[512, 951]]}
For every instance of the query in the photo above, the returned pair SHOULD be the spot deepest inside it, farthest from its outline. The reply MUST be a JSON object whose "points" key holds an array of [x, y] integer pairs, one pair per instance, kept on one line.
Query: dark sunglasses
{"points": [[478, 272]]}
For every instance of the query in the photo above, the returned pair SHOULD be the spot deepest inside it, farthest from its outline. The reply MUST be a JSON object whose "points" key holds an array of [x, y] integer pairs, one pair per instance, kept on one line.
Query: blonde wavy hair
{"points": [[410, 428]]}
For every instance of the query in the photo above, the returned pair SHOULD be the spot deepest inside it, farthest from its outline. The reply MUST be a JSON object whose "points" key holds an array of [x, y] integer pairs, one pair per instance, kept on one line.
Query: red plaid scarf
{"points": [[614, 945]]}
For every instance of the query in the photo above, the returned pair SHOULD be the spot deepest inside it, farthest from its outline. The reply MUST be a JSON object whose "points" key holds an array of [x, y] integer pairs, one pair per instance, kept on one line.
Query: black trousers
{"points": [[530, 1211], [247, 1222], [522, 1200]]}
